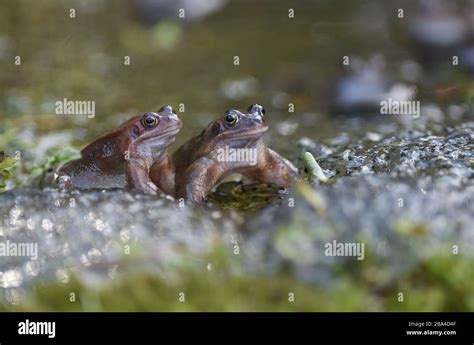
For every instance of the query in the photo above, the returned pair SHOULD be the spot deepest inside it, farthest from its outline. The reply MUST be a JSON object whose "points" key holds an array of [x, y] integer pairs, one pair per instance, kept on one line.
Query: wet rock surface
{"points": [[428, 154], [404, 197], [94, 232]]}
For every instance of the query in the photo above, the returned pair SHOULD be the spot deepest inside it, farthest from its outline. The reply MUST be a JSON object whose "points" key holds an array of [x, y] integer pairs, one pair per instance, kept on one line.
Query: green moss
{"points": [[7, 168], [248, 197], [445, 283], [60, 157], [203, 292]]}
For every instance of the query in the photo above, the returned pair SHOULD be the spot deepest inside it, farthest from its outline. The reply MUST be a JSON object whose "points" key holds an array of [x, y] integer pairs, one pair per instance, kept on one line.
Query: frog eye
{"points": [[257, 108], [231, 119], [167, 109], [150, 121]]}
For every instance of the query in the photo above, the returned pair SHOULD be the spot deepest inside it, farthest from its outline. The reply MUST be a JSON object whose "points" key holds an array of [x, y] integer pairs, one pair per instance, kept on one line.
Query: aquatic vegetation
{"points": [[53, 162], [253, 196], [7, 166], [442, 284]]}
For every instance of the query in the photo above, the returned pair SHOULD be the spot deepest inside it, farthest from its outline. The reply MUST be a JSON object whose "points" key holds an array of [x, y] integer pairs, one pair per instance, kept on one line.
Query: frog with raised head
{"points": [[231, 144], [123, 158]]}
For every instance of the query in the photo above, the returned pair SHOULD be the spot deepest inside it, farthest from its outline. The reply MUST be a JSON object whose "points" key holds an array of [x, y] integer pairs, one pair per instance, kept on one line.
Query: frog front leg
{"points": [[274, 169], [138, 177], [199, 179], [162, 174]]}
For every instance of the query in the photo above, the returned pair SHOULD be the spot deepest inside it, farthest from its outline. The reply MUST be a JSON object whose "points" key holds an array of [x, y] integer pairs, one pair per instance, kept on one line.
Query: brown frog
{"points": [[123, 157], [232, 144]]}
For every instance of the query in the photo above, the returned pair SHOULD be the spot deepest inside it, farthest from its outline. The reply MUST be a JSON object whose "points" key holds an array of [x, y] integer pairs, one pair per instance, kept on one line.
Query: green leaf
{"points": [[315, 173]]}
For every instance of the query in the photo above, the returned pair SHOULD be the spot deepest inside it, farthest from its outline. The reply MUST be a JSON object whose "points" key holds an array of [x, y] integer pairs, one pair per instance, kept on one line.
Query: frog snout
{"points": [[173, 119], [258, 119]]}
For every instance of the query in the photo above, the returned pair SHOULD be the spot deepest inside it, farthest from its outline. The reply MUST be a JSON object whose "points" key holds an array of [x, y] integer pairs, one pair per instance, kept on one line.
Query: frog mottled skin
{"points": [[199, 166], [123, 157]]}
